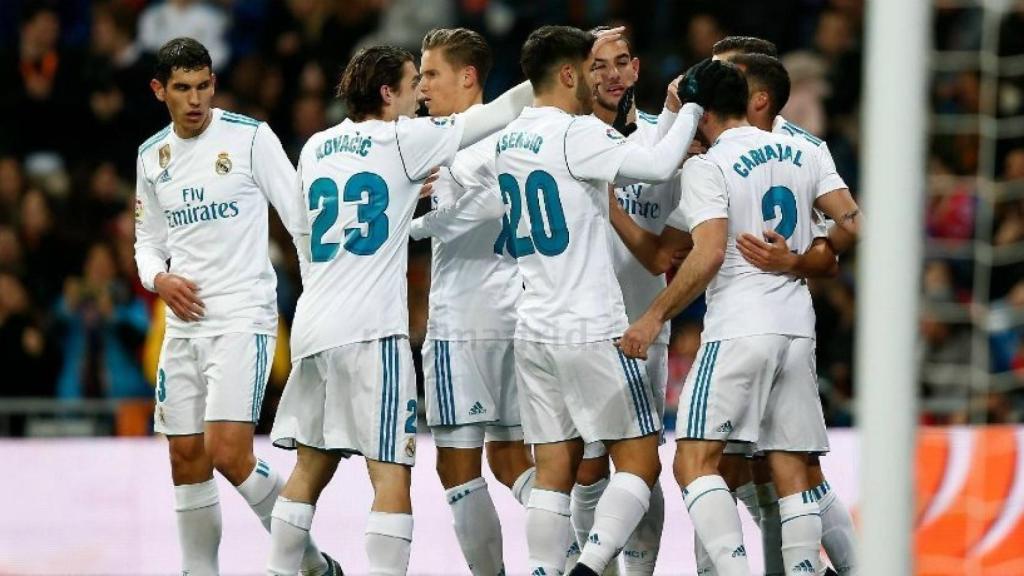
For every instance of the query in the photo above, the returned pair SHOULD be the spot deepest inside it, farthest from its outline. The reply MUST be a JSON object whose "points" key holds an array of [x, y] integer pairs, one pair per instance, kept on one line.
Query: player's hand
{"points": [[605, 36], [638, 337], [428, 185], [672, 101], [678, 257], [771, 256], [623, 121], [181, 295], [699, 83], [696, 148]]}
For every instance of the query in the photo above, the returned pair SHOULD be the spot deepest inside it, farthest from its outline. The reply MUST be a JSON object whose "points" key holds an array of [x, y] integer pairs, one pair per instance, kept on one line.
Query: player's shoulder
{"points": [[590, 129], [646, 118], [237, 121], [783, 126], [152, 143]]}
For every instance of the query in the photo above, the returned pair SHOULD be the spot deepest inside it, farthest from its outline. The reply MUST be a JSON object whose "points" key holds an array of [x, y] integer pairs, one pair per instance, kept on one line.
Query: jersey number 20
{"points": [[783, 199], [539, 184], [323, 193]]}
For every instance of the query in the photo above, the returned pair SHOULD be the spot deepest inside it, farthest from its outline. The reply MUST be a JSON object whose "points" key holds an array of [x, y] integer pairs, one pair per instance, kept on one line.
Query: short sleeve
{"points": [[425, 143], [828, 178], [594, 150], [704, 195]]}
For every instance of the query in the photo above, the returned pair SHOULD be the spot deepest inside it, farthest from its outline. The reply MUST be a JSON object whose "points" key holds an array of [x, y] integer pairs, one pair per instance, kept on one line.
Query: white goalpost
{"points": [[894, 127]]}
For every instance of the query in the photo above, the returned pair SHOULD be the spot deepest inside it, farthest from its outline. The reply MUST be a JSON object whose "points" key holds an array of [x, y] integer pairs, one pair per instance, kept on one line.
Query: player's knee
{"points": [[189, 461], [592, 470], [235, 465]]}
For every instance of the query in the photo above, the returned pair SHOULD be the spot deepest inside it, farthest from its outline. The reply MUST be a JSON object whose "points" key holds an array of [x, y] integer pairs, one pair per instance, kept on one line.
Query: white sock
{"points": [[261, 490], [548, 533], [523, 485], [199, 526], [289, 535], [837, 533], [714, 516], [801, 533], [747, 494], [705, 567], [388, 541], [641, 551], [624, 503], [477, 527], [581, 509], [771, 529]]}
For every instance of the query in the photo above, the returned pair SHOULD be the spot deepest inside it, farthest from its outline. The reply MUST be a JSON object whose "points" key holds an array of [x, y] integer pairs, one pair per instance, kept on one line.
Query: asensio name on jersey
{"points": [[757, 179]]}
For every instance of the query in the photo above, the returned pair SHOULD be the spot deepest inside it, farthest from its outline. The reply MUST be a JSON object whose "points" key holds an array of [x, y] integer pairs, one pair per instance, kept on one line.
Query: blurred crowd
{"points": [[76, 103]]}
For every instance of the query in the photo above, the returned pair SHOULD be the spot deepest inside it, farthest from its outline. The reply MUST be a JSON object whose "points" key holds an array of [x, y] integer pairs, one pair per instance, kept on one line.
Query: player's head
{"points": [[184, 80], [730, 46], [727, 102], [379, 82], [556, 59], [614, 69], [453, 69], [768, 83]]}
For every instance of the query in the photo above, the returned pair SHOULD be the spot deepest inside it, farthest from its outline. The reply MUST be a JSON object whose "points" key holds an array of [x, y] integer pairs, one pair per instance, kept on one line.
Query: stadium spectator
{"points": [[205, 22], [25, 353]]}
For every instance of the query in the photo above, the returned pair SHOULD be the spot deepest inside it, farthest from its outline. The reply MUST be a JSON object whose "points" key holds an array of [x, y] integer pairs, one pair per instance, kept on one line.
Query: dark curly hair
{"points": [[366, 72]]}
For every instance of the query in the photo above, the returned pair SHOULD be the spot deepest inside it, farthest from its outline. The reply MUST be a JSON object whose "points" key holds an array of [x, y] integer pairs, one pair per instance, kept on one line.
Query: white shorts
{"points": [[589, 391], [359, 398], [470, 382], [214, 378], [474, 435], [758, 389], [657, 376]]}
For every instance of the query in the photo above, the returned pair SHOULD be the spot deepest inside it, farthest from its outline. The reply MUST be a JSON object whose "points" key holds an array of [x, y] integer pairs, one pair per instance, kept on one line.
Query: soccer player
{"points": [[468, 358], [553, 170], [615, 72], [202, 189], [352, 389], [761, 324]]}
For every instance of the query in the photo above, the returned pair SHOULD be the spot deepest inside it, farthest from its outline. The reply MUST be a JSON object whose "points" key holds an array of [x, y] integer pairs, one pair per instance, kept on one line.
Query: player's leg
{"points": [[837, 532], [236, 368], [735, 469], [509, 457], [770, 521], [591, 481], [640, 555], [389, 527], [511, 462], [294, 507], [180, 405]]}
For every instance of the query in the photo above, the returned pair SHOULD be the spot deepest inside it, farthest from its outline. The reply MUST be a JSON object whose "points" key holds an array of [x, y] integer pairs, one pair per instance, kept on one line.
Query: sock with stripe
{"points": [[801, 533], [641, 551], [523, 485], [260, 491], [388, 542], [582, 507], [717, 523], [197, 508], [771, 529], [548, 533], [477, 527], [624, 503], [837, 533], [290, 522]]}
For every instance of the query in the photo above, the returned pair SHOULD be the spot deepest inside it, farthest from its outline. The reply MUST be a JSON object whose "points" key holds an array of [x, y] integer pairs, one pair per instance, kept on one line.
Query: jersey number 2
{"points": [[323, 193], [781, 198], [539, 185]]}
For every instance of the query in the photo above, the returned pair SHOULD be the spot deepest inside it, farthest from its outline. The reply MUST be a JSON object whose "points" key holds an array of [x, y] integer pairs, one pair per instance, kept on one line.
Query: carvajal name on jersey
{"points": [[759, 156], [351, 143], [520, 141], [192, 214]]}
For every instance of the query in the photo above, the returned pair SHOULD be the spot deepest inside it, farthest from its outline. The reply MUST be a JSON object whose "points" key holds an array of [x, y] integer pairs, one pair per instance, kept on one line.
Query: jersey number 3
{"points": [[539, 185], [781, 198], [323, 194]]}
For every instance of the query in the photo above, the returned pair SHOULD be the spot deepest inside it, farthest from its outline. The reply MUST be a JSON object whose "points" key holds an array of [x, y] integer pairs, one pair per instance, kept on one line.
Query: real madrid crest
{"points": [[223, 164], [165, 155], [410, 447]]}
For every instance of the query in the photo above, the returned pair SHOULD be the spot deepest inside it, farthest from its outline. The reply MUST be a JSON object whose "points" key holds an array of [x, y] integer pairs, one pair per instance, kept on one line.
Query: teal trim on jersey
{"points": [[265, 377], [642, 389], [694, 393], [238, 118], [444, 384], [703, 413], [795, 130], [449, 388], [155, 138], [636, 391], [383, 400], [389, 399], [259, 383], [238, 121], [649, 118]]}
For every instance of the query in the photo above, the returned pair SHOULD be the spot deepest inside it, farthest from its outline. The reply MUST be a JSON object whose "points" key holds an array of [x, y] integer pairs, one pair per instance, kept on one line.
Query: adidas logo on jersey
{"points": [[477, 409], [740, 552], [804, 566], [725, 428], [164, 177]]}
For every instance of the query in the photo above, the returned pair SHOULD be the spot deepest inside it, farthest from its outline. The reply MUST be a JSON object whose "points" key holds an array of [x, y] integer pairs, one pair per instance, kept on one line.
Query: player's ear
{"points": [[157, 88], [469, 76], [213, 82], [567, 76], [760, 100], [386, 96], [635, 65]]}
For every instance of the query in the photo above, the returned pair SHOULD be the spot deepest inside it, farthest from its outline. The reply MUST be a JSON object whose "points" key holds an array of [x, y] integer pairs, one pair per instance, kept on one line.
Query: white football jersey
{"points": [[553, 172], [360, 182], [649, 206], [202, 204], [474, 283], [757, 179]]}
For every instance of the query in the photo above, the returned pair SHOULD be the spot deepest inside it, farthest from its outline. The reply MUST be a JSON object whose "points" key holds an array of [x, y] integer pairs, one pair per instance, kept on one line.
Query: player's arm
{"points": [[276, 178], [656, 252], [690, 281], [151, 253], [773, 255], [457, 214], [482, 121], [840, 206], [660, 162]]}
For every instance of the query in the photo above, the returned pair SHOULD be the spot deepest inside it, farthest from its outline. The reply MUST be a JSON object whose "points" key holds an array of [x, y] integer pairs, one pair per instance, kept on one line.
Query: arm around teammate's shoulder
{"points": [[840, 206]]}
